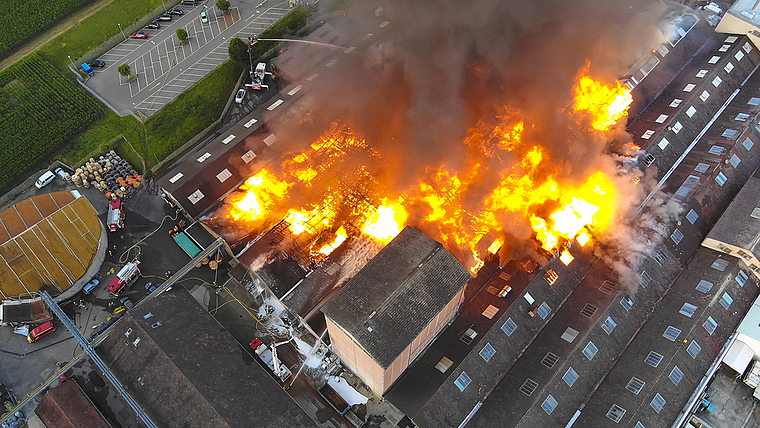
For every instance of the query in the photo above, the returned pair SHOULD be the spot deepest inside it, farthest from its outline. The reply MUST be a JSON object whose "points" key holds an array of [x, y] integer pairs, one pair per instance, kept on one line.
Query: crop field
{"points": [[22, 20], [39, 111]]}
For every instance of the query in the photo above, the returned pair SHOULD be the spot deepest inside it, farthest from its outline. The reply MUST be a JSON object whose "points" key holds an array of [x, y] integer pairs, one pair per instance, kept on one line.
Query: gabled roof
{"points": [[396, 295], [740, 223], [67, 406]]}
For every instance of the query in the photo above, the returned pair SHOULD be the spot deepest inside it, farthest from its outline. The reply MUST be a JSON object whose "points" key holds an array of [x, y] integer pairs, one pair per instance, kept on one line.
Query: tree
{"points": [[124, 70], [238, 51], [181, 35], [223, 5]]}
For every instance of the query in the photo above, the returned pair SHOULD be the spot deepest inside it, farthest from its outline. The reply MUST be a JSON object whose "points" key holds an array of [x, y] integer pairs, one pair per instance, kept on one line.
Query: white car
{"points": [[44, 179], [240, 95]]}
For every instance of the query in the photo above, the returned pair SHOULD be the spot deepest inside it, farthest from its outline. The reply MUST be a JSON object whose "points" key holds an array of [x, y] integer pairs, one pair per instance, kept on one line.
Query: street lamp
{"points": [[72, 62], [122, 31]]}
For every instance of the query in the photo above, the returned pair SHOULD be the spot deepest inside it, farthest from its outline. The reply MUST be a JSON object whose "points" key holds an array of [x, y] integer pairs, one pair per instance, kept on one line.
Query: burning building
{"points": [[385, 317]]}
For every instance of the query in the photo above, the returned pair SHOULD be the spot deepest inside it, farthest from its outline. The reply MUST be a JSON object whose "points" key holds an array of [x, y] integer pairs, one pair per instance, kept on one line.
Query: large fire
{"points": [[344, 205]]}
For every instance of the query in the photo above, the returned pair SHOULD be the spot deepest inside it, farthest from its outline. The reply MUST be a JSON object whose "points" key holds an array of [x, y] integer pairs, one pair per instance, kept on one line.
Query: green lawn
{"points": [[94, 30]]}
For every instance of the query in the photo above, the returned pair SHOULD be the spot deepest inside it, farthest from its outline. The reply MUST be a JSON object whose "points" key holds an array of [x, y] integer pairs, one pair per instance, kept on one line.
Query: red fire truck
{"points": [[115, 215], [124, 277]]}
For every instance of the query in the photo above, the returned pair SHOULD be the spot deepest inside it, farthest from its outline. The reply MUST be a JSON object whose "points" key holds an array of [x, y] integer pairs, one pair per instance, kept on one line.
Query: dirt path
{"points": [[54, 32]]}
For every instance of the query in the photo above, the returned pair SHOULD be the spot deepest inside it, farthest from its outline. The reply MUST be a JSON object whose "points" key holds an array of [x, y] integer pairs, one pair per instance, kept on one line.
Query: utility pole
{"points": [[122, 31]]}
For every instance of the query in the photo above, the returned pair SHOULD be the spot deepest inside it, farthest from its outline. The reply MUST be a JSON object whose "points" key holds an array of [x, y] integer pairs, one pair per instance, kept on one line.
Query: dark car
{"points": [[166, 17], [153, 25], [97, 63], [87, 289], [150, 287], [140, 35], [177, 12], [126, 302]]}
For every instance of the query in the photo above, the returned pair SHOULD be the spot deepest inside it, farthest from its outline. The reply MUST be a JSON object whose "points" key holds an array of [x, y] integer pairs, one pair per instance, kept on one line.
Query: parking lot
{"points": [[164, 68]]}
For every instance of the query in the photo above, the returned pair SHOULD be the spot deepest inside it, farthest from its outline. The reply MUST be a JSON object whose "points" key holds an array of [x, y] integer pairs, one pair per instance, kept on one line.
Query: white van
{"points": [[44, 179]]}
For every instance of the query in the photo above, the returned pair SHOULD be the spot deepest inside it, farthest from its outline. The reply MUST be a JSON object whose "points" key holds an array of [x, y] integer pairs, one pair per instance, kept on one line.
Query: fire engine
{"points": [[124, 277], [115, 215]]}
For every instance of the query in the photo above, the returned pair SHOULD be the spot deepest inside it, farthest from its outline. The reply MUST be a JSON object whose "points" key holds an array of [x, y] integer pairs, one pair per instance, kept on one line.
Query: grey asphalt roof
{"points": [[184, 369], [737, 226], [397, 293]]}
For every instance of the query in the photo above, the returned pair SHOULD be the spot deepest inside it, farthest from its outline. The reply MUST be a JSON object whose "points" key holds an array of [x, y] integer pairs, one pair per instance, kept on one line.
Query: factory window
{"points": [[726, 300], [551, 276], [729, 66], [528, 386], [490, 311], [704, 286], [657, 403], [748, 143], [747, 47], [509, 327], [724, 48], [730, 39], [754, 214], [704, 96], [660, 258], [693, 349], [639, 425], [224, 175], [570, 377], [248, 156], [648, 160], [701, 168], [710, 325], [196, 196], [627, 302], [609, 325], [487, 352], [741, 277], [443, 364], [671, 333], [544, 310], [735, 161], [676, 102], [688, 309], [607, 287], [176, 177], [635, 385], [569, 335], [716, 150], [653, 359], [616, 413], [691, 111], [645, 279], [717, 81], [529, 298], [589, 310], [713, 60], [690, 87], [721, 179], [730, 133], [677, 127], [754, 101], [590, 350], [549, 404], [661, 118], [204, 157], [663, 50], [687, 186], [663, 143], [701, 73], [676, 375], [741, 117], [719, 264], [676, 236], [739, 55], [692, 216], [462, 381], [648, 134]]}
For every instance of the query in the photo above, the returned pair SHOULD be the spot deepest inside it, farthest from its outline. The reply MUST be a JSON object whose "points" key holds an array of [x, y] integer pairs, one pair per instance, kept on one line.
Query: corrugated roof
{"points": [[737, 226], [67, 406], [388, 303]]}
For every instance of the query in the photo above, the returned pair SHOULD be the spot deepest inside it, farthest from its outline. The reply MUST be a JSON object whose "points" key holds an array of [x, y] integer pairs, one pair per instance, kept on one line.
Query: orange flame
{"points": [[340, 236], [384, 224], [606, 104], [565, 257]]}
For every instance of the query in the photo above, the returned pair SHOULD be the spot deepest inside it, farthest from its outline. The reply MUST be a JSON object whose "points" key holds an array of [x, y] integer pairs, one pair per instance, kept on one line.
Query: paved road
{"points": [[164, 68]]}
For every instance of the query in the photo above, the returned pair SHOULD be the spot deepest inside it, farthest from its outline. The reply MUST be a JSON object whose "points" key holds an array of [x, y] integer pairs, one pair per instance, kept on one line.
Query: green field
{"points": [[39, 111], [22, 20]]}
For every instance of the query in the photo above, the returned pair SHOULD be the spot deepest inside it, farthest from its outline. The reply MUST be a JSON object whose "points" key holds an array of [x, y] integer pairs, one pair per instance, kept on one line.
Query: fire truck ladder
{"points": [[96, 358]]}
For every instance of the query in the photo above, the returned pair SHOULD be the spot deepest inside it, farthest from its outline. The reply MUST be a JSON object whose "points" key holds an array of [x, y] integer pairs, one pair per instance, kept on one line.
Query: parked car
{"points": [[96, 63], [177, 12], [60, 173], [126, 302], [153, 25], [240, 96], [204, 18], [87, 289], [140, 35], [44, 179], [166, 17], [119, 309], [150, 287]]}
